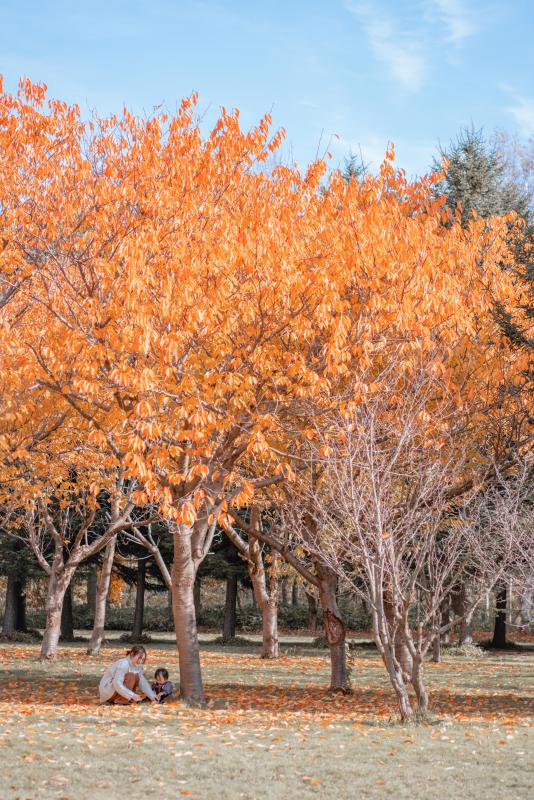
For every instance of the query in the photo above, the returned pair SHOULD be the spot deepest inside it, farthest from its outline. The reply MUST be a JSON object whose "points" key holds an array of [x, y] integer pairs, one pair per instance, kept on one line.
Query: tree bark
{"points": [[269, 646], [403, 654], [284, 588], [436, 649], [266, 598], [21, 605], [183, 605], [15, 606], [229, 622], [334, 629], [197, 590], [403, 698], [391, 638], [57, 586], [397, 634], [139, 612], [312, 610], [99, 625], [443, 621], [92, 587], [385, 642], [459, 602], [9, 625], [419, 686], [67, 621], [499, 631], [524, 616]]}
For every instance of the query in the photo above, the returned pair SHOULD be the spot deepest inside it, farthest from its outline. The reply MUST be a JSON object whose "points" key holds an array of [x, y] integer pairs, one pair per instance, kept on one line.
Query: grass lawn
{"points": [[272, 731]]}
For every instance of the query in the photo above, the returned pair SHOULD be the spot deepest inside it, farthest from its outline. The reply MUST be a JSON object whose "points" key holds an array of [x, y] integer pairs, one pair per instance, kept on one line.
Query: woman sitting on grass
{"points": [[123, 682]]}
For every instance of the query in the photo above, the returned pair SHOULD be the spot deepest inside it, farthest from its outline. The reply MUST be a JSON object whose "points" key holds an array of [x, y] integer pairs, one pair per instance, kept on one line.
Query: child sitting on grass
{"points": [[162, 687]]}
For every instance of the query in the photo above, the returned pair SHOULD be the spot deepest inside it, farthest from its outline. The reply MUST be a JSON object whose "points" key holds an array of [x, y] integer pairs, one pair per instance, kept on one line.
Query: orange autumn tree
{"points": [[188, 309], [56, 496], [420, 316], [175, 290]]}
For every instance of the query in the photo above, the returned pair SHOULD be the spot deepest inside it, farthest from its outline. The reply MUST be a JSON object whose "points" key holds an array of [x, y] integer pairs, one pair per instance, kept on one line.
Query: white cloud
{"points": [[522, 110], [399, 51], [459, 20]]}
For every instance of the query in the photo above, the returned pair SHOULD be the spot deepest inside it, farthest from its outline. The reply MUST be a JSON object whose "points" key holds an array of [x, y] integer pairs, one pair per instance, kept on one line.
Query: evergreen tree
{"points": [[477, 178], [17, 564], [355, 167], [480, 176]]}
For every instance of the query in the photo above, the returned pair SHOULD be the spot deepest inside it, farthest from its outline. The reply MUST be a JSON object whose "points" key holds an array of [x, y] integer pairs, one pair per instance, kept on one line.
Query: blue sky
{"points": [[371, 71]]}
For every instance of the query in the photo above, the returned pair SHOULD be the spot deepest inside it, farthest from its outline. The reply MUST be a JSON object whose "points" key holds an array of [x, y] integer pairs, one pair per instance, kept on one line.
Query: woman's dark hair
{"points": [[163, 672], [136, 650]]}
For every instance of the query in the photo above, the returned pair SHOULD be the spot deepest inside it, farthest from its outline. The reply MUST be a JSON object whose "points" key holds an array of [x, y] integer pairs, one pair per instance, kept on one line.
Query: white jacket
{"points": [[113, 681]]}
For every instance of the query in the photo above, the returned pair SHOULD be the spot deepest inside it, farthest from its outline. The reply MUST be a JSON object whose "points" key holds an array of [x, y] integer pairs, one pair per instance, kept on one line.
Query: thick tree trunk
{"points": [[403, 654], [419, 686], [524, 616], [398, 636], [436, 649], [197, 590], [67, 620], [269, 645], [391, 639], [385, 643], [229, 621], [403, 698], [386, 647], [295, 593], [183, 604], [312, 611], [266, 598], [265, 595], [9, 625], [99, 625], [443, 621], [139, 612], [21, 605], [334, 629], [15, 606], [57, 586], [499, 631], [92, 587], [466, 631], [459, 601]]}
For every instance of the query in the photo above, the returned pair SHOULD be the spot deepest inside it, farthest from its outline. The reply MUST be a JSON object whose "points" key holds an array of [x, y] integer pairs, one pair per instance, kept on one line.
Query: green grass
{"points": [[271, 732]]}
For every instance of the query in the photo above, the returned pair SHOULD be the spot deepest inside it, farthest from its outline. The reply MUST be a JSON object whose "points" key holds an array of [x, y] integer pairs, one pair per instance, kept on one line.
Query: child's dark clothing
{"points": [[163, 691]]}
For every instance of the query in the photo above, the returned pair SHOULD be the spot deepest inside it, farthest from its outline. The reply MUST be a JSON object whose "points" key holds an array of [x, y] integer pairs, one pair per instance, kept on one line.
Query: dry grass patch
{"points": [[271, 731]]}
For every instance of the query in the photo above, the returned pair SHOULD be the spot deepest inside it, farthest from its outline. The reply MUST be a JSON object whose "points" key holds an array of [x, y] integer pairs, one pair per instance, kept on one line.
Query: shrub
{"points": [[470, 651], [145, 638], [248, 619], [292, 617], [117, 618], [22, 637], [236, 641]]}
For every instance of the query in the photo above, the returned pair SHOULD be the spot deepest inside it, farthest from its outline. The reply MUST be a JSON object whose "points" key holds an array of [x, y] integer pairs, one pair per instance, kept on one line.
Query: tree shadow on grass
{"points": [[366, 705]]}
